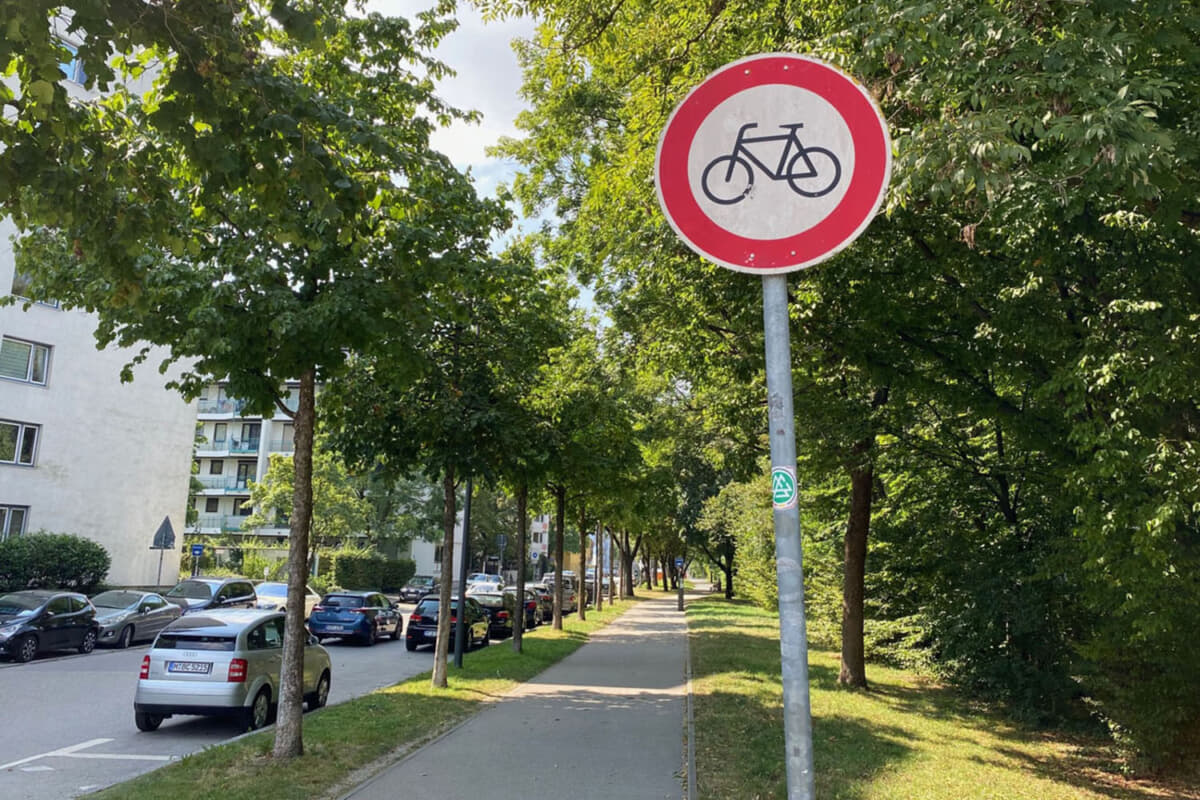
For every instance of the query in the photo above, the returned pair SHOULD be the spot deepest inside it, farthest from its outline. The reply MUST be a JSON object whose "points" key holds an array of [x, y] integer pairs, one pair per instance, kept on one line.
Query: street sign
{"points": [[773, 163], [197, 550], [783, 487], [501, 540], [678, 563], [164, 537]]}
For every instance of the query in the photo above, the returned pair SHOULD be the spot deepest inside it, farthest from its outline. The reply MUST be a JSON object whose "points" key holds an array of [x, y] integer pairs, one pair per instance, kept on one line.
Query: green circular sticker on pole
{"points": [[783, 487]]}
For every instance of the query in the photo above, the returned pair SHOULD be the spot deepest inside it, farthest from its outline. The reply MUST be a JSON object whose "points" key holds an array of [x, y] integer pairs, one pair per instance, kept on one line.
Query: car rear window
{"points": [[489, 600], [175, 641], [343, 601]]}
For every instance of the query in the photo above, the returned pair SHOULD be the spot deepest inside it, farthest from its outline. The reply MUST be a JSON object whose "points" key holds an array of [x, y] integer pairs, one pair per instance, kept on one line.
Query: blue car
{"points": [[365, 616]]}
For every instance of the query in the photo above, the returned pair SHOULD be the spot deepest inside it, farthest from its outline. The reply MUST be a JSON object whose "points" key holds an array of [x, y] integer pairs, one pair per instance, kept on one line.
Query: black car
{"points": [[533, 611], [36, 621], [422, 625], [417, 587], [365, 616], [499, 609], [203, 594]]}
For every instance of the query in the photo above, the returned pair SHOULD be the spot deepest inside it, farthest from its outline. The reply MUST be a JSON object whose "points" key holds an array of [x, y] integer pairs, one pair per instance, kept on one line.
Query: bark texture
{"points": [[560, 519], [442, 647], [853, 671], [522, 558]]}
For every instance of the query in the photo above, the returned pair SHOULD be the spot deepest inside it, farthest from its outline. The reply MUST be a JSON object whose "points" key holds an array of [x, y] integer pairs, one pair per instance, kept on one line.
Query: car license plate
{"points": [[335, 627], [190, 667]]}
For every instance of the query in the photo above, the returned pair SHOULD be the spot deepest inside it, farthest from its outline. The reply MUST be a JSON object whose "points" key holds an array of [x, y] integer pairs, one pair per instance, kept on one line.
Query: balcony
{"points": [[282, 446], [243, 446], [219, 523], [221, 406], [221, 484]]}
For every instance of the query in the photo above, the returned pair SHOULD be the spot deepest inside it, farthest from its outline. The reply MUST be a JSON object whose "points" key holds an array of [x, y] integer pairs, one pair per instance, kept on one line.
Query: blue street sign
{"points": [[678, 562], [197, 550]]}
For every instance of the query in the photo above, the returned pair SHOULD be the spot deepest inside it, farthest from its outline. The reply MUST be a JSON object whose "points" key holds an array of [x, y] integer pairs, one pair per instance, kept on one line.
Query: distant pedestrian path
{"points": [[605, 722]]}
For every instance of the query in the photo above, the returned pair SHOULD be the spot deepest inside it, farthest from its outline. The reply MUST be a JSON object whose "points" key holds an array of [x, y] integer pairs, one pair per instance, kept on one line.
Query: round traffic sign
{"points": [[773, 163]]}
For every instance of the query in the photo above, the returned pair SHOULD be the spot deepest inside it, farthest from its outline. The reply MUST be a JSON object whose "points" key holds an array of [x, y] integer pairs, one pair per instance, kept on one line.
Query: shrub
{"points": [[53, 561], [356, 569]]}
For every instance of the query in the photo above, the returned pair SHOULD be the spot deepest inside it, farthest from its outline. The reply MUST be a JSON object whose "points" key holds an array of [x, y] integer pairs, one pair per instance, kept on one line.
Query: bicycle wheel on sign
{"points": [[814, 172], [727, 180]]}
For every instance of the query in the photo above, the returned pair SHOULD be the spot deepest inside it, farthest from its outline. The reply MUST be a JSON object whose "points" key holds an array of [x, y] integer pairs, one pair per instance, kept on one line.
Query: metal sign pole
{"points": [[793, 641]]}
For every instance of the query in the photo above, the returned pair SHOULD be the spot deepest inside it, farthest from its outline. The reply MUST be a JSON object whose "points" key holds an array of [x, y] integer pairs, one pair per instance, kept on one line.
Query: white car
{"points": [[485, 582], [223, 663], [273, 595]]}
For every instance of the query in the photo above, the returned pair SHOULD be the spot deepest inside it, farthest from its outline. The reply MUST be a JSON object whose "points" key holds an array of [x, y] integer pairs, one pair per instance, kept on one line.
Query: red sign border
{"points": [[868, 184]]}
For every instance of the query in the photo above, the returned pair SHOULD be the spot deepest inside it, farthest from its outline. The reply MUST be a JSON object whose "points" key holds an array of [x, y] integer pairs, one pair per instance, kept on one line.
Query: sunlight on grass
{"points": [[341, 739], [906, 739]]}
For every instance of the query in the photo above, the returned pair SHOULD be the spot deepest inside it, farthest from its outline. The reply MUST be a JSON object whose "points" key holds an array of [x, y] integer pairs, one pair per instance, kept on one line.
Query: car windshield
{"points": [[192, 590], [18, 606], [271, 589], [420, 581], [116, 599]]}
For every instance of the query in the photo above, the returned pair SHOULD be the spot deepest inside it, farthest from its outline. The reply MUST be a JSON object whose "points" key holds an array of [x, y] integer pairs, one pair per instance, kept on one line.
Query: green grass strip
{"points": [[906, 739], [340, 740]]}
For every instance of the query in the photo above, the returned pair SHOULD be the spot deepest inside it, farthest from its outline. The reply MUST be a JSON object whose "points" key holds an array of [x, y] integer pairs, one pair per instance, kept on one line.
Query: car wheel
{"points": [[321, 696], [398, 632], [147, 722], [410, 645], [89, 641], [259, 712], [27, 648], [371, 636], [126, 637], [487, 640]]}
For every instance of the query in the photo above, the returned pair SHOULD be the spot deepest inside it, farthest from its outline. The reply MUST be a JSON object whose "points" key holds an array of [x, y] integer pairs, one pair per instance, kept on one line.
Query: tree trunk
{"points": [[522, 557], [582, 583], [449, 517], [647, 565], [727, 568], [289, 741], [662, 563], [854, 670], [560, 519]]}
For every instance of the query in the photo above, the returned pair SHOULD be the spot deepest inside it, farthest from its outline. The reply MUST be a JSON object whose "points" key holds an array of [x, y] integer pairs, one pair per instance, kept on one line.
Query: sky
{"points": [[487, 80]]}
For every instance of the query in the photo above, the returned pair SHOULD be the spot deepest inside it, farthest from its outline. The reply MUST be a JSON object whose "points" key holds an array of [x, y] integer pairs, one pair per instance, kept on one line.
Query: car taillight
{"points": [[145, 673], [530, 606], [318, 608], [415, 617], [502, 615], [237, 670], [358, 611]]}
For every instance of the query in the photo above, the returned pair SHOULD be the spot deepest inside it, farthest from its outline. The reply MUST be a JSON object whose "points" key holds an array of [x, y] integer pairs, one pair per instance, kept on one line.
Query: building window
{"points": [[18, 442], [12, 521], [244, 508], [20, 288], [212, 505], [23, 361], [72, 67], [215, 467]]}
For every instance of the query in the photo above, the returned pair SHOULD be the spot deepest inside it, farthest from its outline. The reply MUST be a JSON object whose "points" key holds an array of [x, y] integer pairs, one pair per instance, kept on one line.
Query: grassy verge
{"points": [[340, 740], [906, 739]]}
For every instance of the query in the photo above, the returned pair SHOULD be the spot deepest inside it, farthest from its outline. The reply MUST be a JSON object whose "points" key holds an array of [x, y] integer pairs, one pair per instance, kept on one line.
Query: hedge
{"points": [[52, 561], [353, 570]]}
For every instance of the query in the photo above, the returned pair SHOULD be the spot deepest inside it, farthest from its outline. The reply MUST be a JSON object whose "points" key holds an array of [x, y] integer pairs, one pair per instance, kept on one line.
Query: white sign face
{"points": [[773, 163], [772, 180]]}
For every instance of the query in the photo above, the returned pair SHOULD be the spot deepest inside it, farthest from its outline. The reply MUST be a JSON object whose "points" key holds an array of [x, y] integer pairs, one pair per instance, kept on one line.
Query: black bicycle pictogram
{"points": [[810, 171]]}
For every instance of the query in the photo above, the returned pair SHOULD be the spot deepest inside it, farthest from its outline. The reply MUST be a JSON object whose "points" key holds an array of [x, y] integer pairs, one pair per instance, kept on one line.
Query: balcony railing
{"points": [[225, 483], [282, 446], [222, 406], [243, 446]]}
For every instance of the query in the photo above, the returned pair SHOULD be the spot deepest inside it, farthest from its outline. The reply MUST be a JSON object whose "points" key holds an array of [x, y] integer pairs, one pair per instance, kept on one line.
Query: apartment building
{"points": [[81, 452], [235, 449]]}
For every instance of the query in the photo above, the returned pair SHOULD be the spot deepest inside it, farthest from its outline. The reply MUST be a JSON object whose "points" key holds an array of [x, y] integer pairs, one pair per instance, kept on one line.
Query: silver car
{"points": [[223, 663], [127, 616]]}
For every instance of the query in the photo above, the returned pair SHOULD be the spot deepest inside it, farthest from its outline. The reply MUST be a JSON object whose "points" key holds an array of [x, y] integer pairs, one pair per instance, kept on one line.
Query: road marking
{"points": [[73, 752]]}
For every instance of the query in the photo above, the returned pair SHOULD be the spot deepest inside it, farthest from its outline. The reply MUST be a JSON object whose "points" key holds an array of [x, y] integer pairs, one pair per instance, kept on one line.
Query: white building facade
{"points": [[81, 452]]}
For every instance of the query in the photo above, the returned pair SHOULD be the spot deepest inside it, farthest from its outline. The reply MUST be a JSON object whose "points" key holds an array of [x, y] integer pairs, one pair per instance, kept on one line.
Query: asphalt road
{"points": [[68, 720]]}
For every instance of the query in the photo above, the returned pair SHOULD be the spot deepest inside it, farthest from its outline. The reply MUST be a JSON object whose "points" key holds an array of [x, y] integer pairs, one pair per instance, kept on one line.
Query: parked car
{"points": [[273, 595], [223, 664], [545, 599], [417, 587], [38, 620], [478, 578], [362, 615], [570, 596], [499, 609], [128, 616], [202, 594], [422, 624], [533, 612]]}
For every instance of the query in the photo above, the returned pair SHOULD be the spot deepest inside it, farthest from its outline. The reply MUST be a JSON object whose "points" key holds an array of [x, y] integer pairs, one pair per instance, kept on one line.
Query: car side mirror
{"points": [[313, 640], [144, 610]]}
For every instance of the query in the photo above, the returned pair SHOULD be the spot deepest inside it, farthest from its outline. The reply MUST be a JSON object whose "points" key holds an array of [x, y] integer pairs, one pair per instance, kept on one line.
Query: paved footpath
{"points": [[607, 721]]}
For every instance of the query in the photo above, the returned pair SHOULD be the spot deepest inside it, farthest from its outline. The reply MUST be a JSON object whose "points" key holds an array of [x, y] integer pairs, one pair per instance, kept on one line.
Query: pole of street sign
{"points": [[793, 640], [460, 618]]}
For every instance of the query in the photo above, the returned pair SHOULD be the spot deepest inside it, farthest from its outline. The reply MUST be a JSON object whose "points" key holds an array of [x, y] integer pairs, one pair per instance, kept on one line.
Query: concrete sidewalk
{"points": [[607, 721]]}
